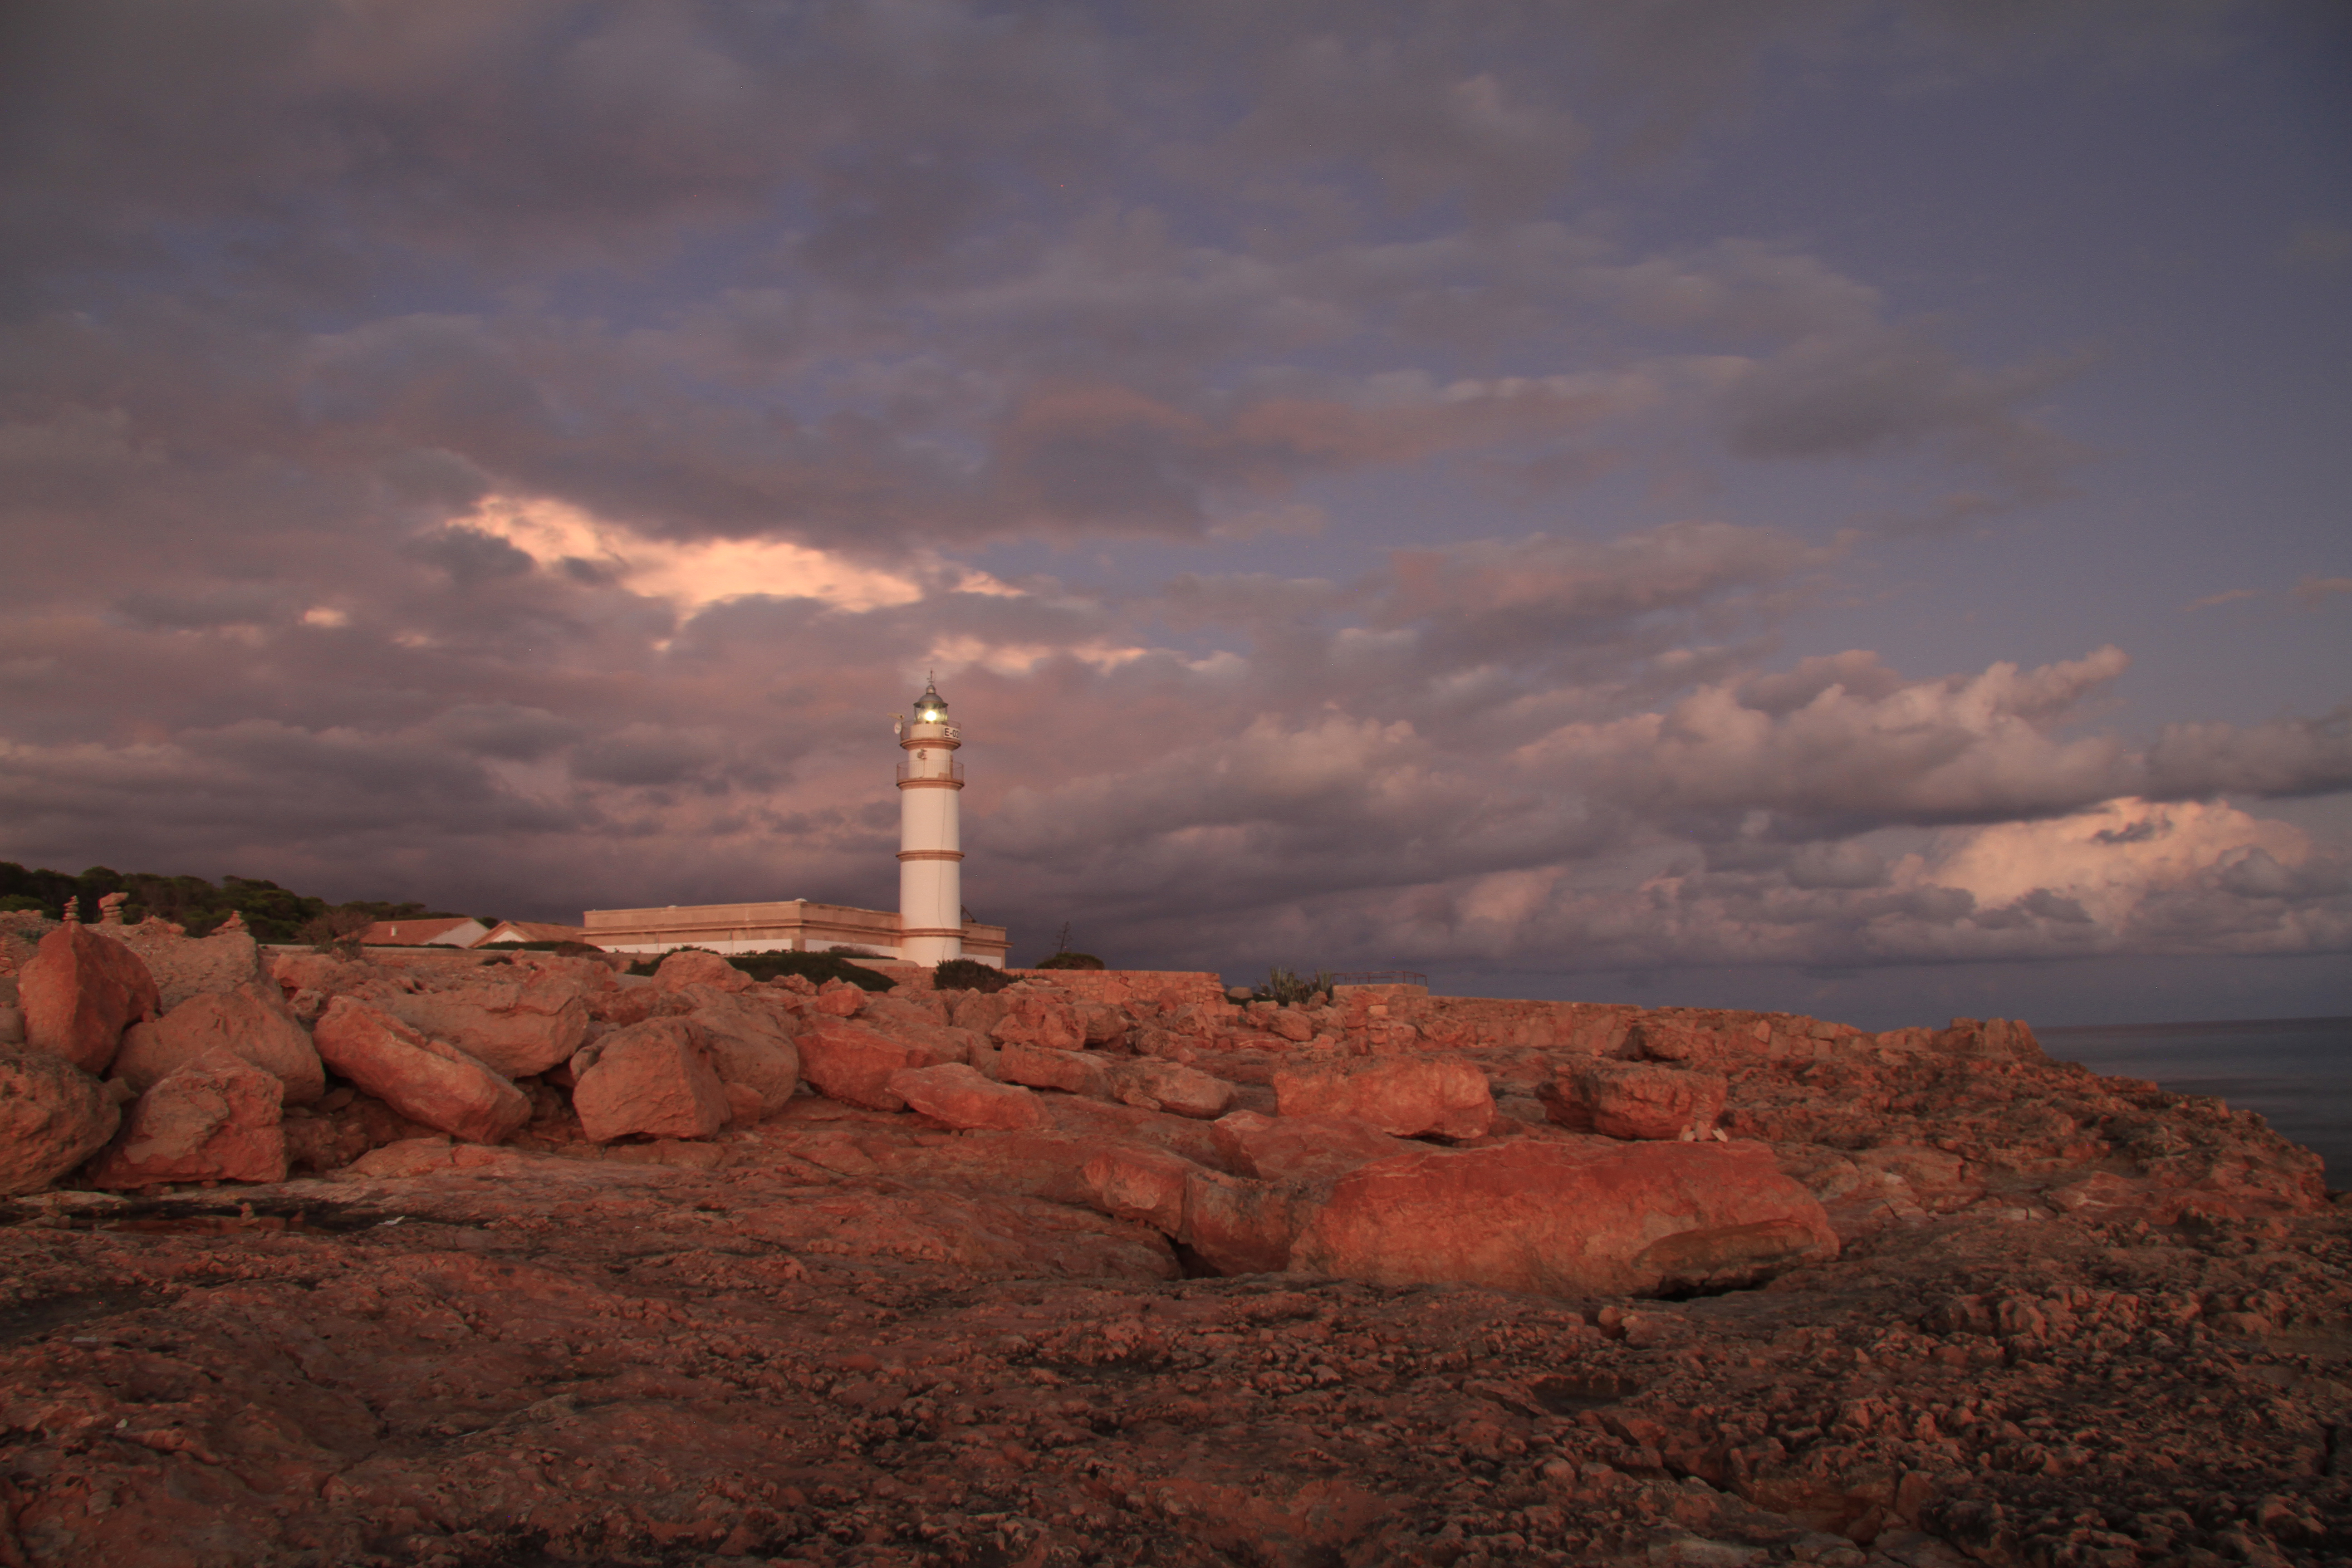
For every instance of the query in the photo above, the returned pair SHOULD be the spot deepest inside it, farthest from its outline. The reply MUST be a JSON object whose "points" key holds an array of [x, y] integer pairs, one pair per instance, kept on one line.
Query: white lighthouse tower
{"points": [[931, 857]]}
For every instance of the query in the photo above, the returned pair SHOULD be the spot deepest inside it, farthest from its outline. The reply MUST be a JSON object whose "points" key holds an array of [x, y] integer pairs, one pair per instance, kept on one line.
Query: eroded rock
{"points": [[79, 992], [1403, 1096], [212, 1118], [53, 1116], [424, 1079]]}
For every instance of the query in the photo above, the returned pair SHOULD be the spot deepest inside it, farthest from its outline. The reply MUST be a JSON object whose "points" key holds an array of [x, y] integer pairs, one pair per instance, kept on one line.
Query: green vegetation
{"points": [[1290, 989], [814, 967], [272, 913], [968, 975]]}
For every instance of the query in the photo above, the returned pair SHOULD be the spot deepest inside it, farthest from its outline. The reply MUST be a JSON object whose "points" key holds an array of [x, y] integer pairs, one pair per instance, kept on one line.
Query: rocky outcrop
{"points": [[424, 1079], [515, 1027], [852, 1064], [252, 1023], [680, 970], [184, 966], [1404, 1096], [53, 1116], [952, 1093], [653, 1077], [79, 992], [1639, 1100], [1587, 1216], [750, 1046], [212, 1118]]}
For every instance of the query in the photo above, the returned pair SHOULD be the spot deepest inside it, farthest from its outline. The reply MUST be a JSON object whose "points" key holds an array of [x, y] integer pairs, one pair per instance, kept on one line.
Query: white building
{"points": [[930, 924]]}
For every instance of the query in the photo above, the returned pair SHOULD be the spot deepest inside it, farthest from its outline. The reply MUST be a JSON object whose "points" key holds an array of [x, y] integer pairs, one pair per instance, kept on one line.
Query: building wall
{"points": [[794, 926]]}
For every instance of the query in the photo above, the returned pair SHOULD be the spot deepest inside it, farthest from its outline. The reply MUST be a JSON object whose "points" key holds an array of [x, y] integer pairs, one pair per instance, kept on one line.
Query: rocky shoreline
{"points": [[418, 1260]]}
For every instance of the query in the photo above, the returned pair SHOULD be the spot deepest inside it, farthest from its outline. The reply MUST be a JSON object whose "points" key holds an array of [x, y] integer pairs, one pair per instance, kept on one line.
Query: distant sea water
{"points": [[2296, 1071]]}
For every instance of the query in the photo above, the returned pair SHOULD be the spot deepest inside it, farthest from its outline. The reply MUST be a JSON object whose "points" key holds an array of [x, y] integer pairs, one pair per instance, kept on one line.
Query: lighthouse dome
{"points": [[931, 708]]}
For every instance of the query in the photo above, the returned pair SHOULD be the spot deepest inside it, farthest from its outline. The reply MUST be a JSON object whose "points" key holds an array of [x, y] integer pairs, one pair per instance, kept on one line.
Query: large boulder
{"points": [[957, 1095], [515, 1027], [1404, 1096], [252, 1023], [424, 1079], [653, 1077], [1035, 1020], [185, 965], [216, 1117], [852, 1064], [53, 1116], [1073, 1072], [680, 970], [79, 992], [1300, 1148], [749, 1045], [1638, 1099], [1240, 1226], [1128, 1181], [1166, 1085], [1568, 1216]]}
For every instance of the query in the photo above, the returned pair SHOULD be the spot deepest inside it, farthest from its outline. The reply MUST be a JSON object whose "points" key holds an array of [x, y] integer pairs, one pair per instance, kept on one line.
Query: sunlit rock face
{"points": [[747, 1272]]}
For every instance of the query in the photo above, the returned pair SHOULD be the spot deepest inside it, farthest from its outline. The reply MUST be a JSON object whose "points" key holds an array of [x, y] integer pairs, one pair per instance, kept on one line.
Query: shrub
{"points": [[1287, 988], [968, 975], [1070, 960], [814, 967]]}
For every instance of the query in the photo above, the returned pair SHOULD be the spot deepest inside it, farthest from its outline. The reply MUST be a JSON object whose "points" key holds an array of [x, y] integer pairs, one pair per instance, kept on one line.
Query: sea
{"points": [[2297, 1072]]}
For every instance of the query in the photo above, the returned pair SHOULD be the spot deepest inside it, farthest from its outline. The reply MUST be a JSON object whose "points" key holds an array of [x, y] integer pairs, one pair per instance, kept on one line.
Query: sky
{"points": [[1832, 505]]}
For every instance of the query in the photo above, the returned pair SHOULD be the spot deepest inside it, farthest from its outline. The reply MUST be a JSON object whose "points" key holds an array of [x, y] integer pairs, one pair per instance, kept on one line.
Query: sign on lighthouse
{"points": [[930, 869]]}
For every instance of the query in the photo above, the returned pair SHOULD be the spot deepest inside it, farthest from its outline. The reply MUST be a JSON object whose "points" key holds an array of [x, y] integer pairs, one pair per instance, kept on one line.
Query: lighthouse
{"points": [[931, 868]]}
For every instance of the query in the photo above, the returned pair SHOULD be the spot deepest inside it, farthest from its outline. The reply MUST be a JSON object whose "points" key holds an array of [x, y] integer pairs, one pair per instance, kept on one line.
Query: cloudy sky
{"points": [[1801, 503]]}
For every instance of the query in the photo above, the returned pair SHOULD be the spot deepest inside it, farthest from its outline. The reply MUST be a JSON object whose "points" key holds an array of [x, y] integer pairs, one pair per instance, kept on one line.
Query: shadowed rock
{"points": [[53, 1116], [424, 1079], [216, 1117], [79, 992], [252, 1023]]}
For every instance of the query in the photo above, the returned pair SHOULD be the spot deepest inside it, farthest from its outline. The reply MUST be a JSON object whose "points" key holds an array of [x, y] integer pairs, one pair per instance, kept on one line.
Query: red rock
{"points": [[1147, 1184], [1073, 1072], [955, 1094], [1292, 1025], [847, 1062], [680, 970], [1567, 1217], [1639, 1099], [1657, 1041], [2003, 1039], [745, 1105], [1239, 1227], [1300, 1148], [1404, 1096], [840, 999], [79, 992], [426, 1080], [214, 1118], [654, 1078], [1176, 1090], [516, 1028], [185, 965], [1101, 1023], [1035, 1020], [253, 1024], [53, 1116], [750, 1046]]}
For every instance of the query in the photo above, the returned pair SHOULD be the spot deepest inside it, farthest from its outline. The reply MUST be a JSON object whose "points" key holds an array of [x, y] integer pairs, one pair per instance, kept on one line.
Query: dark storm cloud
{"points": [[314, 313]]}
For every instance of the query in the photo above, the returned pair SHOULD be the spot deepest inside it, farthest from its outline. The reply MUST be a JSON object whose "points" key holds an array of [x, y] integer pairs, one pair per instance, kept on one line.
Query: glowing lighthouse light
{"points": [[931, 870]]}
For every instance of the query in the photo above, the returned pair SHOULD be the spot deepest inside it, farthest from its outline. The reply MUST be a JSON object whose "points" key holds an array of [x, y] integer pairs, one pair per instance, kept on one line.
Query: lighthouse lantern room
{"points": [[930, 856]]}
